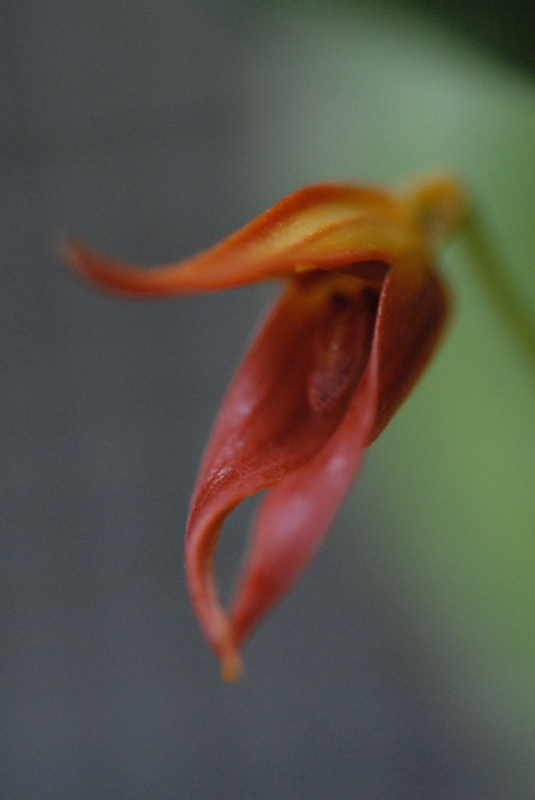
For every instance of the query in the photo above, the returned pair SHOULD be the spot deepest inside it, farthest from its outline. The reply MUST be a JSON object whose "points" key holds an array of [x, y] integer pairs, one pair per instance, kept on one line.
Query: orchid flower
{"points": [[361, 312]]}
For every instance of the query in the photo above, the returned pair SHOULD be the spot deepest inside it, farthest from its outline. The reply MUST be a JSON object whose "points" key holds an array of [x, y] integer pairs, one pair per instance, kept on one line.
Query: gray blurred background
{"points": [[129, 123]]}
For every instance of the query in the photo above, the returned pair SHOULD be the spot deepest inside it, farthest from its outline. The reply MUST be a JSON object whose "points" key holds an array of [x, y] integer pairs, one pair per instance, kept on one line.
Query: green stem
{"points": [[490, 270]]}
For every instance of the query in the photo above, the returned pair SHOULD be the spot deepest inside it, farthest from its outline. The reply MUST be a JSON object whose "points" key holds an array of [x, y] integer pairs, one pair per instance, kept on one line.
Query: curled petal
{"points": [[270, 434]]}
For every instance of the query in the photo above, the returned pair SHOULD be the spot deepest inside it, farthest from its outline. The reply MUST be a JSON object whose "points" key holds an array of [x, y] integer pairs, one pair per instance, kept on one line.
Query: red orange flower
{"points": [[359, 317]]}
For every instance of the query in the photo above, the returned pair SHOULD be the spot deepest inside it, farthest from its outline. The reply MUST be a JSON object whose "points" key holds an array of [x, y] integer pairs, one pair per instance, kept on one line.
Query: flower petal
{"points": [[273, 431], [323, 226]]}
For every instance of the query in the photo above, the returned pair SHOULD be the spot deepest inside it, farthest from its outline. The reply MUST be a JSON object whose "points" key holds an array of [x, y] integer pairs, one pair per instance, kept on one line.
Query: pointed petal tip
{"points": [[86, 262], [219, 632], [108, 273]]}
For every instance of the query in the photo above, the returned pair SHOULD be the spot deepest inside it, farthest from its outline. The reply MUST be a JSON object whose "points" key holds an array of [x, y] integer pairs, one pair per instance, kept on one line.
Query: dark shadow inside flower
{"points": [[341, 345]]}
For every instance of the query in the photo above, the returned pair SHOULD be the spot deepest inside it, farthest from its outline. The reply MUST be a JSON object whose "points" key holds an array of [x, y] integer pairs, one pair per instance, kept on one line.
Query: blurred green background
{"points": [[387, 96], [402, 666]]}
